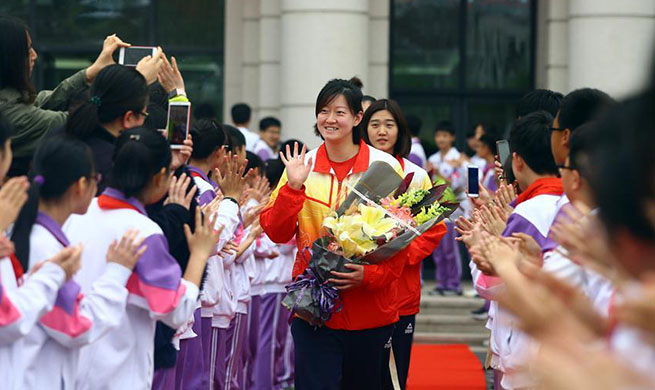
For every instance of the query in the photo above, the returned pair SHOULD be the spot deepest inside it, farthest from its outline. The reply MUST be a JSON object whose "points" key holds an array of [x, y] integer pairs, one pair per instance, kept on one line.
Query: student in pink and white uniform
{"points": [[64, 184], [23, 301], [123, 358]]}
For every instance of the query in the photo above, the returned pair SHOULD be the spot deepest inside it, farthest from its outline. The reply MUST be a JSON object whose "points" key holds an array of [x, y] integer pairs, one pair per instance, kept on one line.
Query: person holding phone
{"points": [[34, 114], [349, 351], [386, 130]]}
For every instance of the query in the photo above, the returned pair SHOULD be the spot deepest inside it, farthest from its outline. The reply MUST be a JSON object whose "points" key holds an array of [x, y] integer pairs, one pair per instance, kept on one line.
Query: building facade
{"points": [[467, 61]]}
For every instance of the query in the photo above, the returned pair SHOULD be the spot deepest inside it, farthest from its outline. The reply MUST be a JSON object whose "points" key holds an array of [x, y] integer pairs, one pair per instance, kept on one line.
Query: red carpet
{"points": [[445, 367]]}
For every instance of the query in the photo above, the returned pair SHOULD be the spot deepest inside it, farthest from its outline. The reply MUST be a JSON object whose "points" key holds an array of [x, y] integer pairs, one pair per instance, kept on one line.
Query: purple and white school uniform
{"points": [[51, 350], [446, 256], [123, 358], [236, 334], [216, 288], [264, 151], [508, 346], [417, 153], [20, 310], [271, 369]]}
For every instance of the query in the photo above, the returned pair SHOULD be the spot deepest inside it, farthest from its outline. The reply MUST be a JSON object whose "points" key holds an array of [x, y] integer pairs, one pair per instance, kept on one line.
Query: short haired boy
{"points": [[267, 146], [447, 257], [241, 118]]}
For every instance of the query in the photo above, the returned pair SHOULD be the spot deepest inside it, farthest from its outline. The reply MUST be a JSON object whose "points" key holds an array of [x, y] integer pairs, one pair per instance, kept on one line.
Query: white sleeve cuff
{"points": [[118, 273]]}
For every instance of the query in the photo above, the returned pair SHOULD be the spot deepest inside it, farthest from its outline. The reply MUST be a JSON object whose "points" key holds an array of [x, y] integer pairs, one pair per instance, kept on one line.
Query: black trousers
{"points": [[329, 359], [403, 336]]}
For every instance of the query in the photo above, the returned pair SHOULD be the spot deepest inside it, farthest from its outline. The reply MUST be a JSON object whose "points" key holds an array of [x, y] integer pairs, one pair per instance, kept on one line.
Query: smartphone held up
{"points": [[473, 181], [177, 127], [130, 56]]}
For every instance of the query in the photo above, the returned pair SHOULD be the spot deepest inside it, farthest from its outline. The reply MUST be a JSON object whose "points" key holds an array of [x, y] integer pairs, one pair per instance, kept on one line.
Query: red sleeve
{"points": [[280, 217], [426, 243], [382, 274]]}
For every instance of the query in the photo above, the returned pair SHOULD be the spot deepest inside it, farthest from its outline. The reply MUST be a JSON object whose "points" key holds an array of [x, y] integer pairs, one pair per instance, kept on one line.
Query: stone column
{"points": [[553, 45], [320, 40], [233, 57], [377, 83], [251, 62], [610, 44], [269, 60]]}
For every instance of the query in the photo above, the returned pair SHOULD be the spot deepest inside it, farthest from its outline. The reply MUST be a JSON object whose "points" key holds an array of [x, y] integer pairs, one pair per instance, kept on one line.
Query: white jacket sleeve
{"points": [[79, 320], [21, 308]]}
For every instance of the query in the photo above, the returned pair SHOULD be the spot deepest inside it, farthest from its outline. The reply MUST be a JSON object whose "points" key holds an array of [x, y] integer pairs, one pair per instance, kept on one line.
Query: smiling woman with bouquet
{"points": [[348, 352]]}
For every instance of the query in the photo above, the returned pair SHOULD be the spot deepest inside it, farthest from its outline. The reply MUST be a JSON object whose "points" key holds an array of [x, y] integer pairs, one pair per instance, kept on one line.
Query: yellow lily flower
{"points": [[375, 223]]}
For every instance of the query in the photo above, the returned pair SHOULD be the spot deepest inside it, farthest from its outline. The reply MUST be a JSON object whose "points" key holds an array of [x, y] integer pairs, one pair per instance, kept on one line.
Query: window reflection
{"points": [[498, 44], [425, 39]]}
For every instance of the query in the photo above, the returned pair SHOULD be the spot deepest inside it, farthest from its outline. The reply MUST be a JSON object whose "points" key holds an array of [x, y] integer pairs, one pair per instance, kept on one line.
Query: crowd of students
{"points": [[125, 264]]}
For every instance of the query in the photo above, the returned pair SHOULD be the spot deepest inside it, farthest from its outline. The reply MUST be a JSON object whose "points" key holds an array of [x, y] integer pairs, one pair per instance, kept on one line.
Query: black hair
{"points": [[490, 141], [57, 164], [445, 126], [268, 122], [204, 110], [404, 141], [139, 155], [350, 90], [530, 139], [368, 98], [14, 58], [623, 176], [582, 105], [240, 113], [254, 161], [6, 131], [414, 124], [236, 138], [208, 136], [290, 143], [539, 100], [157, 108], [274, 170], [581, 143], [116, 90]]}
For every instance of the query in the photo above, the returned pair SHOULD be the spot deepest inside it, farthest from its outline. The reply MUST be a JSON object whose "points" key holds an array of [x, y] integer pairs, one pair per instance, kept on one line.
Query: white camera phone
{"points": [[130, 56], [179, 118]]}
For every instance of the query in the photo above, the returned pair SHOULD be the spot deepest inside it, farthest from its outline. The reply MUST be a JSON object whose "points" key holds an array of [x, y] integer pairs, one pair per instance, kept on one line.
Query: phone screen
{"points": [[503, 151], [473, 181], [134, 54], [178, 123]]}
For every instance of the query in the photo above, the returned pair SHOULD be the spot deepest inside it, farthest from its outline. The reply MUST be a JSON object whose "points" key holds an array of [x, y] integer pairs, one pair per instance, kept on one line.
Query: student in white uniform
{"points": [[207, 157], [64, 183], [535, 208], [22, 304], [123, 358], [241, 118]]}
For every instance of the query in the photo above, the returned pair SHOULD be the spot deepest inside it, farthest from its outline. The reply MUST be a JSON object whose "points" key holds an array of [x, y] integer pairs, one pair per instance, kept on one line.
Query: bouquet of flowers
{"points": [[379, 218]]}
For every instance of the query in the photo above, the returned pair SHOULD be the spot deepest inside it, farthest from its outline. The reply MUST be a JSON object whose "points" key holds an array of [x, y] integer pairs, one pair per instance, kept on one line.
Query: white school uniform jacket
{"points": [[453, 174], [240, 276], [510, 347], [251, 138], [51, 349], [632, 346], [217, 289], [20, 310], [123, 358], [417, 153]]}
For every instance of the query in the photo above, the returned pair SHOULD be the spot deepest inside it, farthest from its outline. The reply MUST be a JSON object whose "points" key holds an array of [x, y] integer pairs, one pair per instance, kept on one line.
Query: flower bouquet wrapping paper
{"points": [[378, 218]]}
